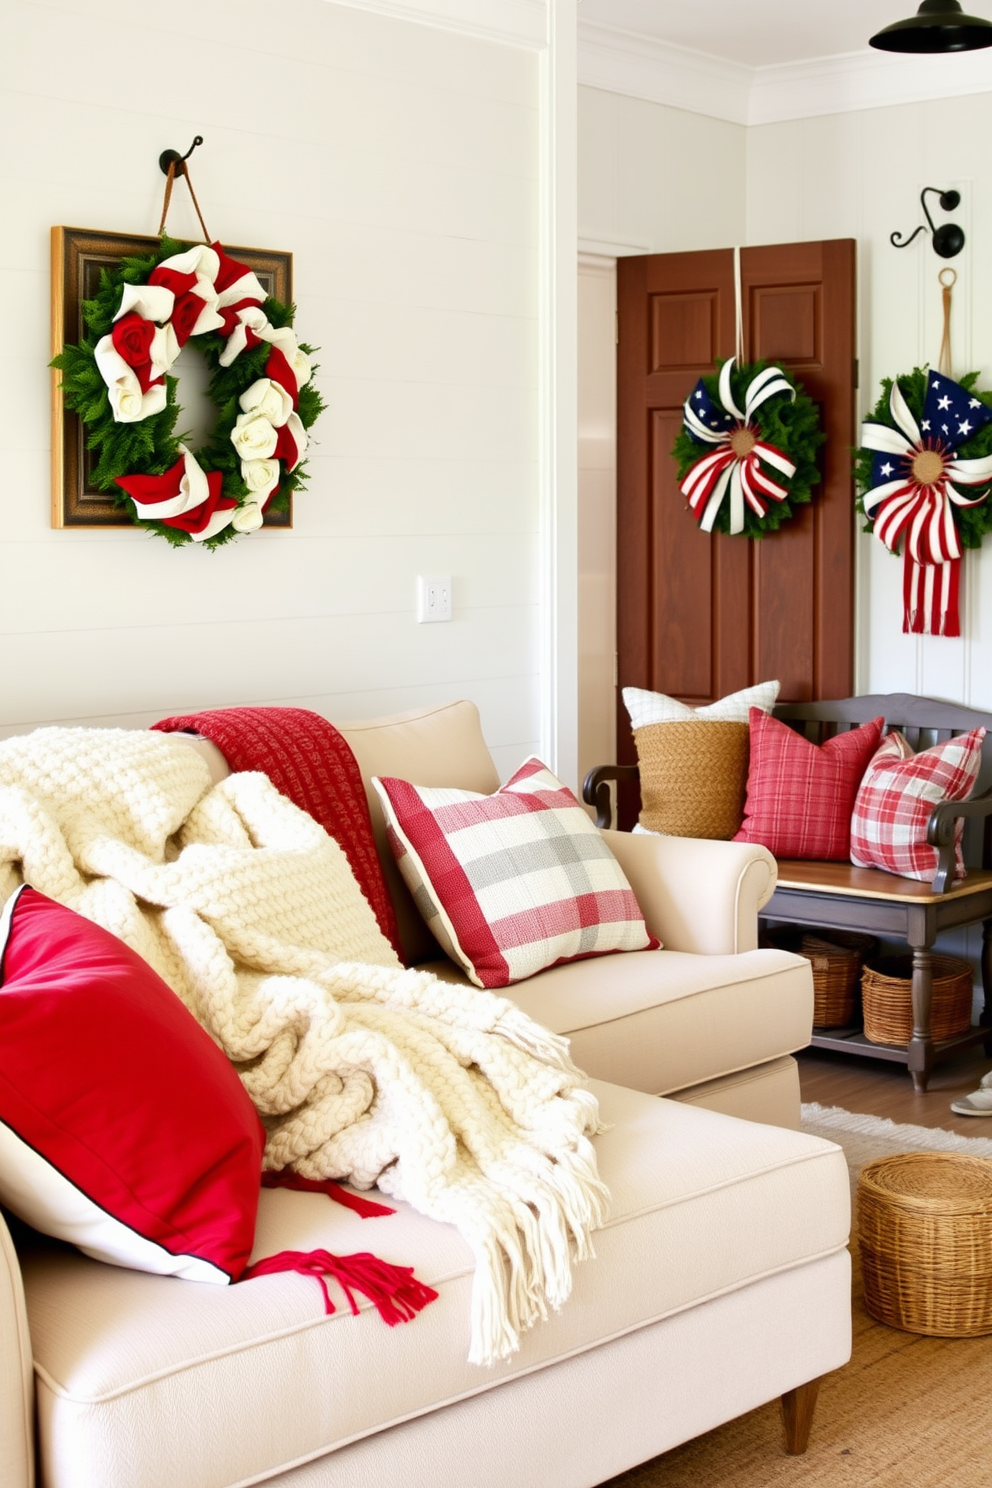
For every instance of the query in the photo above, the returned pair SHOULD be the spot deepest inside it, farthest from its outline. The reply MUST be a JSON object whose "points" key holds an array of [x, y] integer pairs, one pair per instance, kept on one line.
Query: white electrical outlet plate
{"points": [[433, 597]]}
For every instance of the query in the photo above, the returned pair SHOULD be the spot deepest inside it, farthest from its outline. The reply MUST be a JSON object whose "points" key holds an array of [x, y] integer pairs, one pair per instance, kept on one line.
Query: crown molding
{"points": [[863, 80], [610, 248], [521, 23], [660, 72], [643, 67]]}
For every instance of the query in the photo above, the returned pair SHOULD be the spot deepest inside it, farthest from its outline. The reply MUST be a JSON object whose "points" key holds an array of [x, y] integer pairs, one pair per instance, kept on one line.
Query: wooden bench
{"points": [[842, 897]]}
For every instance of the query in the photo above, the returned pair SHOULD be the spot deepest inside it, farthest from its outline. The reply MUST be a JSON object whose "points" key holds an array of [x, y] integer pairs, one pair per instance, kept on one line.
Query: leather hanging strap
{"points": [[947, 288], [173, 171]]}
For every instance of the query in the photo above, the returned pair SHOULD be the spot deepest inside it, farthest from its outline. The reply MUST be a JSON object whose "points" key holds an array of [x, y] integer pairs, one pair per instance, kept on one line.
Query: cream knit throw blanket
{"points": [[445, 1096]]}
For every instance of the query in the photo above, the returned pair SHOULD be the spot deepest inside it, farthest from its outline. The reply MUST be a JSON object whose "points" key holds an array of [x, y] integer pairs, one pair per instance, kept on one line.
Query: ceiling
{"points": [[759, 33]]}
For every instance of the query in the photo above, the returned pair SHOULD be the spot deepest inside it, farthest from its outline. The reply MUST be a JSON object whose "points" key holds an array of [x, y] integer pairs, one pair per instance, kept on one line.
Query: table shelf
{"points": [[853, 1041]]}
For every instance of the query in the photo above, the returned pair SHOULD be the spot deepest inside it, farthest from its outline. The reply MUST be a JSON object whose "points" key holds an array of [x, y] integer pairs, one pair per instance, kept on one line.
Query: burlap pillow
{"points": [[693, 777]]}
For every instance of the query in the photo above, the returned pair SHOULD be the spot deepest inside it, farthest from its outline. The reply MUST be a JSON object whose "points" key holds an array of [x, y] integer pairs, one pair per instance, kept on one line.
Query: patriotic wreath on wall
{"points": [[924, 475], [117, 379], [763, 433]]}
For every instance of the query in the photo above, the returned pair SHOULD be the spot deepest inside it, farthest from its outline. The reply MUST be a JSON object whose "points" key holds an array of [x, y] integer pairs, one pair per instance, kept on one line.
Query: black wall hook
{"points": [[173, 157], [948, 239]]}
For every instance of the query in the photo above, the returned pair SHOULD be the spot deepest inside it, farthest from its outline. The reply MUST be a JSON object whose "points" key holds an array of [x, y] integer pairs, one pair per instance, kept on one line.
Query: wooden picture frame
{"points": [[78, 256]]}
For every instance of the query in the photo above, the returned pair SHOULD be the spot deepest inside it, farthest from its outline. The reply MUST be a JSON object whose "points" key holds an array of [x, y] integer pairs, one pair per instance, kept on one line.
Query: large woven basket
{"points": [[693, 776], [836, 958], [888, 1007], [925, 1234]]}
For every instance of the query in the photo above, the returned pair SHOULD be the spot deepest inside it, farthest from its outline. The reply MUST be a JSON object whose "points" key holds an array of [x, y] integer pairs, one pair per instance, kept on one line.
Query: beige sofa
{"points": [[721, 1280]]}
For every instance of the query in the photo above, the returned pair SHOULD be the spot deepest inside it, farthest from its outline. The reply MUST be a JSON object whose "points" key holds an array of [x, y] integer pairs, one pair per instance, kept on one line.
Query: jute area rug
{"points": [[906, 1412]]}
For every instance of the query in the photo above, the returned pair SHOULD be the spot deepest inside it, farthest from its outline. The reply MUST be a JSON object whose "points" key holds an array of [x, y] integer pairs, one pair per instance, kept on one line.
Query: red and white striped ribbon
{"points": [[708, 481]]}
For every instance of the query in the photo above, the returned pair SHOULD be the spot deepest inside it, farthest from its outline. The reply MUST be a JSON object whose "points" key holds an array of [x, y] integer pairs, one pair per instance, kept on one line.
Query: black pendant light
{"points": [[938, 26]]}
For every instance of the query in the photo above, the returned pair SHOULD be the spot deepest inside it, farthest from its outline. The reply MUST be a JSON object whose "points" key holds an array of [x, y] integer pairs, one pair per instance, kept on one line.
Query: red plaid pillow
{"points": [[800, 795], [513, 882], [897, 797]]}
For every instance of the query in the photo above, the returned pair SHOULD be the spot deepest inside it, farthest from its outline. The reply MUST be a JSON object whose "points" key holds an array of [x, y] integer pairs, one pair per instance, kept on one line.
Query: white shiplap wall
{"points": [[399, 163]]}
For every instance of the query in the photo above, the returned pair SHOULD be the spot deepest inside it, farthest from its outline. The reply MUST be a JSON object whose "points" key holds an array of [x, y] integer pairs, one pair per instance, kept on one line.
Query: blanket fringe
{"points": [[394, 1291], [552, 1048]]}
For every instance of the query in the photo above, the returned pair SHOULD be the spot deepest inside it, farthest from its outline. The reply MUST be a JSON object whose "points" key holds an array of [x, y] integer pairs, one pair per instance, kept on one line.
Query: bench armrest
{"points": [[16, 1373], [696, 894], [596, 789], [941, 829]]}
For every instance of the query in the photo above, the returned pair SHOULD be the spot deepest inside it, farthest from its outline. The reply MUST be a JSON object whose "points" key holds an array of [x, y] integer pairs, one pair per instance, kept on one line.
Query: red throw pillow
{"points": [[800, 795], [896, 800], [123, 1128]]}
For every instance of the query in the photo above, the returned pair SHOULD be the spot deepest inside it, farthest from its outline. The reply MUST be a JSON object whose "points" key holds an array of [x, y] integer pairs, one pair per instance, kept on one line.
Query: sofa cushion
{"points": [[896, 798], [800, 795], [123, 1128], [665, 1020], [513, 882], [143, 1380]]}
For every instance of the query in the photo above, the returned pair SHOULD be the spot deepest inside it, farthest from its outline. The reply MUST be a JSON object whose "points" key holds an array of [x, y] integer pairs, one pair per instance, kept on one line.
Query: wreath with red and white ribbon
{"points": [[746, 451], [118, 380], [924, 476]]}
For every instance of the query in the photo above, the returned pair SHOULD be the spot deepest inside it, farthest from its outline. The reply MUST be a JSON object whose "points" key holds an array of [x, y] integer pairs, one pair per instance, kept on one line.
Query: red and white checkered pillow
{"points": [[800, 795], [897, 797], [513, 882]]}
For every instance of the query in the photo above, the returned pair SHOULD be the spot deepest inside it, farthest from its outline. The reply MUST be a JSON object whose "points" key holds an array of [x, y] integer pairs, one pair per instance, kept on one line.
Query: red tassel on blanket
{"points": [[286, 1178], [394, 1291]]}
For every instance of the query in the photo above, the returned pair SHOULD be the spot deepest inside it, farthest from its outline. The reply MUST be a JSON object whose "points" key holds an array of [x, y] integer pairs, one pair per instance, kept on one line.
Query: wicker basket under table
{"points": [[925, 1234], [886, 995], [837, 958]]}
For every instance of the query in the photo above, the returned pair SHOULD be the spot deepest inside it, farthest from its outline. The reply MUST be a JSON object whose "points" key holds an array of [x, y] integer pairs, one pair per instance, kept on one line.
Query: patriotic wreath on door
{"points": [[924, 476], [760, 433], [117, 379]]}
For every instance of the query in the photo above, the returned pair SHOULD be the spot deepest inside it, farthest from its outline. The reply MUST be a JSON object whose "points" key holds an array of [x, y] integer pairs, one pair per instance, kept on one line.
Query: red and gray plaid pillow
{"points": [[800, 795], [513, 882], [897, 797]]}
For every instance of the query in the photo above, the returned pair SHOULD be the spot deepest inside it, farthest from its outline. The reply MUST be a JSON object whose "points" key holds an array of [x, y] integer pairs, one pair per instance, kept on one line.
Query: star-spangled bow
{"points": [[735, 465], [914, 491]]}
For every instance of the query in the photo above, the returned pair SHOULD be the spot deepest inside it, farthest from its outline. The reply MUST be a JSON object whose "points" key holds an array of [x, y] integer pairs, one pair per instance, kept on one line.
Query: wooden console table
{"points": [[839, 896]]}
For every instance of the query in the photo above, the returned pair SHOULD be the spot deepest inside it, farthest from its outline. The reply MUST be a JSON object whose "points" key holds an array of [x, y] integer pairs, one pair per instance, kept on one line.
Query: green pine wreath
{"points": [[787, 421], [149, 445]]}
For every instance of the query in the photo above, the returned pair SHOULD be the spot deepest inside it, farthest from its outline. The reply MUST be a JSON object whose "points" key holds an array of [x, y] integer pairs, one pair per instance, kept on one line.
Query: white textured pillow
{"points": [[655, 707]]}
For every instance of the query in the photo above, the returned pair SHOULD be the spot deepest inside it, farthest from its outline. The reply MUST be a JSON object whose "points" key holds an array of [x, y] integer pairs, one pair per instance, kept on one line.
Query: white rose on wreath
{"points": [[269, 399], [254, 437]]}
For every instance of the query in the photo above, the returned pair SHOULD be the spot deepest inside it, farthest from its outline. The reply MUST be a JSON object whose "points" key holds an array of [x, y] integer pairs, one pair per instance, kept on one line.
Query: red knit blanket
{"points": [[309, 761]]}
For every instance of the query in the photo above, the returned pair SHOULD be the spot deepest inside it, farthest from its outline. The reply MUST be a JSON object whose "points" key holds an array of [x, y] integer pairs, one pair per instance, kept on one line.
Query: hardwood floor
{"points": [[877, 1088]]}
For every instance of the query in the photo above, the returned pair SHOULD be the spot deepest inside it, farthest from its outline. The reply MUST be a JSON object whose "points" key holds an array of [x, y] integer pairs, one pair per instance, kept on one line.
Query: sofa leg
{"points": [[797, 1413]]}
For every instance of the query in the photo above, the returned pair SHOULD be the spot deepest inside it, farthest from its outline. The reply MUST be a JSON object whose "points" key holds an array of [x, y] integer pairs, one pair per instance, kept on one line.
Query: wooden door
{"points": [[699, 616]]}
